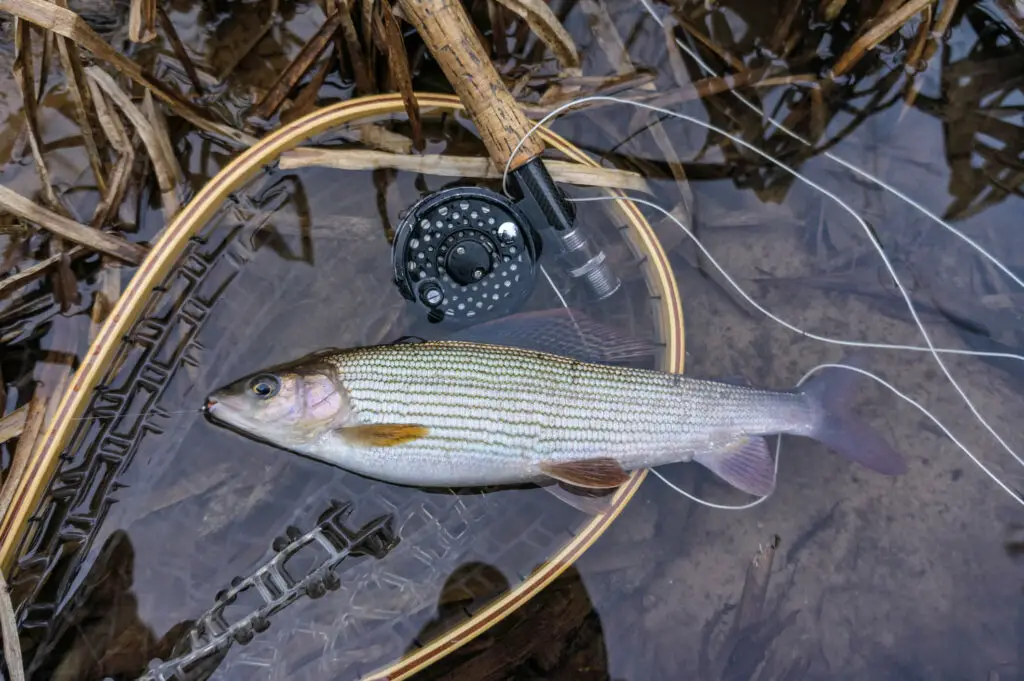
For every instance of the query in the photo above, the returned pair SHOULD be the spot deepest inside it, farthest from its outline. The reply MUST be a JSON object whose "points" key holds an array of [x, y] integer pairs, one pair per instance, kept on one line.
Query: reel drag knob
{"points": [[468, 261]]}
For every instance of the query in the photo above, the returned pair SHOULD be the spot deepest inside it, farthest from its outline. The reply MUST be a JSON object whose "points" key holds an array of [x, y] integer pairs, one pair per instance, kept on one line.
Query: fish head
{"points": [[288, 406]]}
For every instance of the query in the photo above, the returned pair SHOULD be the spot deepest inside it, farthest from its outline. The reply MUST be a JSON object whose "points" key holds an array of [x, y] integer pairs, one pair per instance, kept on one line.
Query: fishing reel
{"points": [[469, 254]]}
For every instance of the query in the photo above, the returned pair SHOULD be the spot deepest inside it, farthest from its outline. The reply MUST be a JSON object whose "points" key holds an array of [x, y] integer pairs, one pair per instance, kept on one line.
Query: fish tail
{"points": [[843, 431]]}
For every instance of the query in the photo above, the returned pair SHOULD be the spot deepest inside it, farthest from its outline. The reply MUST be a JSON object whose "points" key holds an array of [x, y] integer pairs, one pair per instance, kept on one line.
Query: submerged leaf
{"points": [[117, 247], [64, 22], [23, 75], [142, 21], [398, 63], [876, 34], [71, 60], [13, 424], [545, 24], [154, 137], [361, 71], [9, 629], [167, 26], [455, 166], [307, 56]]}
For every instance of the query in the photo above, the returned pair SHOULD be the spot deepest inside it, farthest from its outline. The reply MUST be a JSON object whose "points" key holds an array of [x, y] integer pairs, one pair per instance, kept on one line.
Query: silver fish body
{"points": [[491, 415], [496, 414]]}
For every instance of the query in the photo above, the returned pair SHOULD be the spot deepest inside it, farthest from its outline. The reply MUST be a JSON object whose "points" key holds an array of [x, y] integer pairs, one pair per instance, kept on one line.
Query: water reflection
{"points": [[555, 635], [99, 633]]}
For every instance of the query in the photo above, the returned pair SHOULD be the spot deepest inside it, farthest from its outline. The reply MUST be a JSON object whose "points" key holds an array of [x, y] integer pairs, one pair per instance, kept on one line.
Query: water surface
{"points": [[873, 577]]}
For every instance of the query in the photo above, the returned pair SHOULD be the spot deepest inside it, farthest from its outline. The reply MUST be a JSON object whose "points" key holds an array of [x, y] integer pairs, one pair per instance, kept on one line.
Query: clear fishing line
{"points": [[930, 347], [773, 317], [149, 412], [838, 159]]}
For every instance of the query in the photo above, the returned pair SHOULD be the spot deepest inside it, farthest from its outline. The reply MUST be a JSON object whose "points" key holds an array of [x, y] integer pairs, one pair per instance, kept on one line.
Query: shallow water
{"points": [[873, 577]]}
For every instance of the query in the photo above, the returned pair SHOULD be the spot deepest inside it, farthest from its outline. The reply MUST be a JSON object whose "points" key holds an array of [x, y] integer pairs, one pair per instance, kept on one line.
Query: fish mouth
{"points": [[210, 409], [214, 412]]}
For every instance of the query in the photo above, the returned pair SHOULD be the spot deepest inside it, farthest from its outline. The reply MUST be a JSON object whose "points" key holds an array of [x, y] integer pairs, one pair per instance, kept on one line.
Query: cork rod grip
{"points": [[448, 34]]}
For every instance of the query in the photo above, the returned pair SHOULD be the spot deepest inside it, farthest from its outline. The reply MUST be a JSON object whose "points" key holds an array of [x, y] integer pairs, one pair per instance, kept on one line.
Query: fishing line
{"points": [[796, 329], [935, 352], [778, 445], [838, 159], [158, 412], [867, 230], [773, 317], [576, 325]]}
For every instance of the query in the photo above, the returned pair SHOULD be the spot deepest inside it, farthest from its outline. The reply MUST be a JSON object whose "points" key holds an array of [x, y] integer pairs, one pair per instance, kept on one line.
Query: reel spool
{"points": [[465, 253]]}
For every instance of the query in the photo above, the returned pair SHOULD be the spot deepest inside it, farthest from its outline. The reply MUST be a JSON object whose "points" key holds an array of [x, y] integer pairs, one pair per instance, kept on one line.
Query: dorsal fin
{"points": [[407, 339]]}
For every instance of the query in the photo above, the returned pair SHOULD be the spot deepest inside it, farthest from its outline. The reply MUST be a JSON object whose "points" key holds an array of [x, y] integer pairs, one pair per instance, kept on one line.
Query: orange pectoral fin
{"points": [[383, 434]]}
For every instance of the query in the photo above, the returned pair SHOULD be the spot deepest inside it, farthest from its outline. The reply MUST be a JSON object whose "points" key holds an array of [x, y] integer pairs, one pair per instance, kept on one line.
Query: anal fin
{"points": [[580, 499], [601, 473], [744, 463]]}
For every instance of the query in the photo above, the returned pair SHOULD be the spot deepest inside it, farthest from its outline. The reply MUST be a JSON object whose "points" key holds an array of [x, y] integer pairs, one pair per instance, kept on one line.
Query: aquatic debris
{"points": [[30, 430], [358, 54], [745, 652], [392, 43], [167, 26], [310, 52], [209, 639], [117, 247], [23, 75], [153, 132], [13, 423], [455, 166], [9, 630], [52, 378], [66, 23], [142, 21], [32, 272], [305, 101], [547, 27], [877, 33]]}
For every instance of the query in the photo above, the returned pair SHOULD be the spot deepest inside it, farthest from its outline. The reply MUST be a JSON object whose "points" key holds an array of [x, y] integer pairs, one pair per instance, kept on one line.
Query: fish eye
{"points": [[265, 386]]}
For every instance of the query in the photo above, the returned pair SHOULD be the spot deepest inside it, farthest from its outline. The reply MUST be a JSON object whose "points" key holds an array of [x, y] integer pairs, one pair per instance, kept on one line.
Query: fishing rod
{"points": [[468, 253]]}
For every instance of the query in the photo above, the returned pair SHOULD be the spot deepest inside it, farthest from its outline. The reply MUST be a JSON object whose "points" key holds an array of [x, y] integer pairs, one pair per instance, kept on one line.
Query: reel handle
{"points": [[446, 29]]}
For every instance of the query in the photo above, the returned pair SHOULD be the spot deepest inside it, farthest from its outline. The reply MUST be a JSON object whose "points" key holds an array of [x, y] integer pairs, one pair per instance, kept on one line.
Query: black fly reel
{"points": [[467, 254]]}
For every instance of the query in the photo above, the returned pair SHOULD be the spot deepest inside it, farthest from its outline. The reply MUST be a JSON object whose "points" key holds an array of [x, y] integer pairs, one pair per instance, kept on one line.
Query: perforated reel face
{"points": [[466, 254]]}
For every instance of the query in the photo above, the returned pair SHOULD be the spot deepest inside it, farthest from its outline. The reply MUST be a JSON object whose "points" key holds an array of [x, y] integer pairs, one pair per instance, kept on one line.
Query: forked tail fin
{"points": [[843, 431]]}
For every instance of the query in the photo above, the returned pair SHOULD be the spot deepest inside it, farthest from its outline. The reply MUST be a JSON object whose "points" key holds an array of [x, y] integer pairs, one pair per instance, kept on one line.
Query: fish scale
{"points": [[528, 408], [461, 413]]}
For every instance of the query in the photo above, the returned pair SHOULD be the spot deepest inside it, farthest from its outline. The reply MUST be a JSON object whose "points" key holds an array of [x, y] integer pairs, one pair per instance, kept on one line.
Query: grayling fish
{"points": [[464, 414]]}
